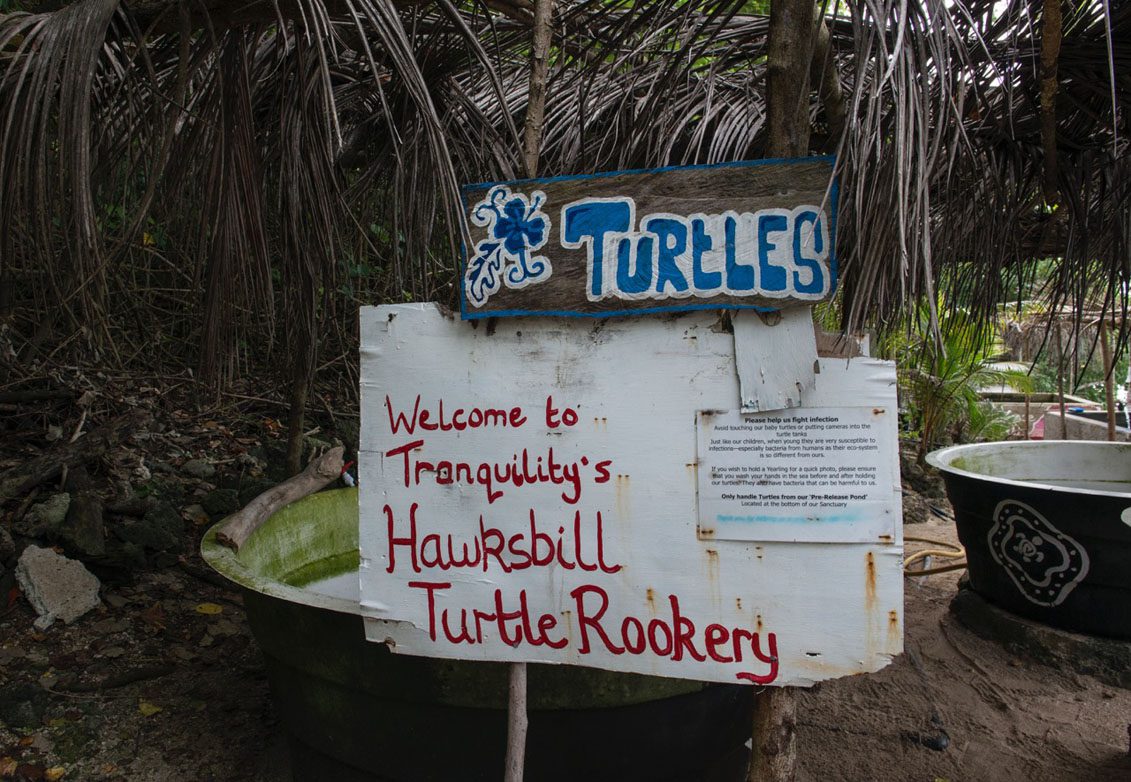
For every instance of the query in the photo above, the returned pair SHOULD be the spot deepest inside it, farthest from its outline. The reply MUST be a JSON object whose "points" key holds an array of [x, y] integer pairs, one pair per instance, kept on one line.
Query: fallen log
{"points": [[21, 479], [238, 527]]}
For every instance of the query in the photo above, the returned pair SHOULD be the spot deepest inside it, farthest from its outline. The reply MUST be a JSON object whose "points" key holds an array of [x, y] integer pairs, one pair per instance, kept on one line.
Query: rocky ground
{"points": [[162, 680]]}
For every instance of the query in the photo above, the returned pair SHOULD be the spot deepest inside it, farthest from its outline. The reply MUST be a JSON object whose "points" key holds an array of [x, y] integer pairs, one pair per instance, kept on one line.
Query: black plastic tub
{"points": [[355, 712], [1047, 529]]}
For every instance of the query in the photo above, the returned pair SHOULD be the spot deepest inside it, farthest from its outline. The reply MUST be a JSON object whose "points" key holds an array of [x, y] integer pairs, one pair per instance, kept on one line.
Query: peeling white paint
{"points": [[643, 381]]}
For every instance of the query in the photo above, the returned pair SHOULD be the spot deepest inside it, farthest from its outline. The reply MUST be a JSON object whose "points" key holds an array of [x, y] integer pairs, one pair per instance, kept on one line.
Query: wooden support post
{"points": [[1109, 381], [794, 24], [517, 721], [773, 754], [517, 717], [1027, 424], [1060, 381]]}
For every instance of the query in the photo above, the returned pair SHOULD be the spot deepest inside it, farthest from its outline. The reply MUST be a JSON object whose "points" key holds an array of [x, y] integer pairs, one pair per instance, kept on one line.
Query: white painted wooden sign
{"points": [[531, 493]]}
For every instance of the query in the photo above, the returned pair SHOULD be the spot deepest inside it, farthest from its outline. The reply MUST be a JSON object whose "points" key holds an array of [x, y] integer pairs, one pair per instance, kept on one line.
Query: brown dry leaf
{"points": [[8, 767], [209, 609], [54, 774], [148, 709], [26, 741], [154, 616]]}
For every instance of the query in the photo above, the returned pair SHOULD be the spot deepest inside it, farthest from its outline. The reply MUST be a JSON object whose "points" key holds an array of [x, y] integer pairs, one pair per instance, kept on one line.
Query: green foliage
{"points": [[939, 379], [1088, 373]]}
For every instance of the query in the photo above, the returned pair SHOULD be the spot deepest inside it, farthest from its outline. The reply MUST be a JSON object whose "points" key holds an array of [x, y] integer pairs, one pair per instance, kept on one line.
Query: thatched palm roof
{"points": [[325, 133]]}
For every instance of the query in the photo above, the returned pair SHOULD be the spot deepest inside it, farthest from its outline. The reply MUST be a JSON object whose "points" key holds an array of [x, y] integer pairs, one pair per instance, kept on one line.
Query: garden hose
{"points": [[944, 550]]}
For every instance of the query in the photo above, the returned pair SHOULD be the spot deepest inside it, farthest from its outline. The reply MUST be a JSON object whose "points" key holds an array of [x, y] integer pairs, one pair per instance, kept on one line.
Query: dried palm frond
{"points": [[293, 143]]}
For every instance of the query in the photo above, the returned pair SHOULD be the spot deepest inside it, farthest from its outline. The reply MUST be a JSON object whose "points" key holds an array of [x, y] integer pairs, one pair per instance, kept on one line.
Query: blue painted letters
{"points": [[775, 253]]}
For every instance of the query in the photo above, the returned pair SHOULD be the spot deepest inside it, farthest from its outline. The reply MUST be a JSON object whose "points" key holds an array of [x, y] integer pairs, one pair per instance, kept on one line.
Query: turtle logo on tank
{"points": [[1044, 563]]}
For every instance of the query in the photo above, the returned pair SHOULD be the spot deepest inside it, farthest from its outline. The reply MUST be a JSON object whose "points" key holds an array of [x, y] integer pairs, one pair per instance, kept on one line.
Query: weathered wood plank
{"points": [[775, 371], [737, 235]]}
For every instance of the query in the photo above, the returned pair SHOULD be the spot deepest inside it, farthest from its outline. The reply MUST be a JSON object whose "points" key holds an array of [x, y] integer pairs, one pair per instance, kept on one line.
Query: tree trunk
{"points": [[536, 102], [296, 419], [789, 55], [823, 75], [1051, 35], [773, 755]]}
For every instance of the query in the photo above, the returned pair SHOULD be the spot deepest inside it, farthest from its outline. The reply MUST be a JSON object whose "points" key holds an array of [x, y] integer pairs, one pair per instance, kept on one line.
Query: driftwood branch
{"points": [[238, 527], [21, 479]]}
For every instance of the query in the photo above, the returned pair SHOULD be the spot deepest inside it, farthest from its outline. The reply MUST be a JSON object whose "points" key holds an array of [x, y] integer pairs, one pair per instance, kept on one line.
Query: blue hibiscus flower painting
{"points": [[516, 229]]}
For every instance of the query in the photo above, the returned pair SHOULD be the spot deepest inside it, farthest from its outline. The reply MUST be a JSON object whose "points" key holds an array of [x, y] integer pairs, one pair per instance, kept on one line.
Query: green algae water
{"points": [[334, 576]]}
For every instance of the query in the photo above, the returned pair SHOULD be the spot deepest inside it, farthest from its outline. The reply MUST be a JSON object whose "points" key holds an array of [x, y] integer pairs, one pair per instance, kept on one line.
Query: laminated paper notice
{"points": [[804, 474]]}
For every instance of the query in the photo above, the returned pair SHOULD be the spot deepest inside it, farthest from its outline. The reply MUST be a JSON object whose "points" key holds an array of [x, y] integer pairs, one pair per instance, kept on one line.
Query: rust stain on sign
{"points": [[713, 574], [895, 634], [623, 503], [870, 582]]}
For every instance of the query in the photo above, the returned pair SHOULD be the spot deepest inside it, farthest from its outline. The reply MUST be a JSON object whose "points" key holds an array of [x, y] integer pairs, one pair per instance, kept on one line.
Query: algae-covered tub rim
{"points": [[987, 462], [286, 551]]}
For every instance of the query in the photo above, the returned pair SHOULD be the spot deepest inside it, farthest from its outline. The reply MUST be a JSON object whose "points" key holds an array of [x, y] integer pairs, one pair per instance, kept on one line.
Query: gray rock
{"points": [[83, 533], [221, 502], [7, 545], [56, 587], [45, 515], [144, 536], [22, 705], [198, 468], [160, 529], [196, 514], [167, 517]]}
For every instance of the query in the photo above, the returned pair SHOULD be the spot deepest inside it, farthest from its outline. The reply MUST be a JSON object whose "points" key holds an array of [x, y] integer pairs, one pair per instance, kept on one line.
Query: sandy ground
{"points": [[165, 683], [956, 707]]}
